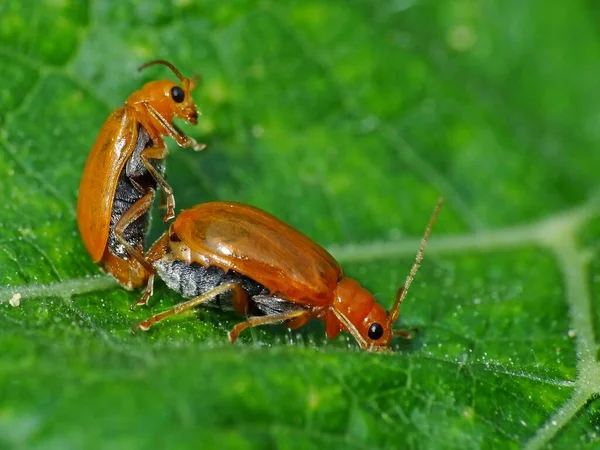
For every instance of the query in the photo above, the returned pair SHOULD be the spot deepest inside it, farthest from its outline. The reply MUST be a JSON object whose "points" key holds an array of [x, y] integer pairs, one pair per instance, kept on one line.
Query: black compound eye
{"points": [[375, 331], [177, 94]]}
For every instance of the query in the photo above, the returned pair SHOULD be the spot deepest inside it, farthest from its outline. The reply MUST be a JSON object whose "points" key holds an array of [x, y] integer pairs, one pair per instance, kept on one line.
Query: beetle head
{"points": [[359, 313], [167, 97]]}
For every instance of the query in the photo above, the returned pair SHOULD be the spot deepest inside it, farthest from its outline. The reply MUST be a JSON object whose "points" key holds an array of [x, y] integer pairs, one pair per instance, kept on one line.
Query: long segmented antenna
{"points": [[395, 311], [165, 63]]}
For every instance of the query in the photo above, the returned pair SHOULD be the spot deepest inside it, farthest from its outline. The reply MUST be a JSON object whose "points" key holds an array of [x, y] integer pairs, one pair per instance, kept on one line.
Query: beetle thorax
{"points": [[352, 300], [156, 94]]}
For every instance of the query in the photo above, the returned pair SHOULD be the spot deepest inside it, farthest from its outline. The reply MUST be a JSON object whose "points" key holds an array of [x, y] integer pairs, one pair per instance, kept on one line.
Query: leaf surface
{"points": [[346, 120]]}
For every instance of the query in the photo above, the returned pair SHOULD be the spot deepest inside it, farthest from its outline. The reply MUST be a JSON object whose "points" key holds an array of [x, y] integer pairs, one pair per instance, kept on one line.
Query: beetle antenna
{"points": [[395, 311], [165, 63]]}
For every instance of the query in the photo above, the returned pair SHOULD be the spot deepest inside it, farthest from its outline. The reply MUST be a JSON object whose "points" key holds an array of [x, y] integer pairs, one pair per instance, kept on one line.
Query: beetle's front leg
{"points": [[159, 153], [181, 139], [184, 140]]}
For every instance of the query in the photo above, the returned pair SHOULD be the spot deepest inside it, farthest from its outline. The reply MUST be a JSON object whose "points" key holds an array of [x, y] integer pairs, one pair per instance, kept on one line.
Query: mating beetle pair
{"points": [[222, 254]]}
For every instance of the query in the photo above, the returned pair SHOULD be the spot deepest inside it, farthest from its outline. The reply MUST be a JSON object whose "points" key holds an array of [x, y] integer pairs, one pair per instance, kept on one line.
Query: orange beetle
{"points": [[238, 257], [123, 170]]}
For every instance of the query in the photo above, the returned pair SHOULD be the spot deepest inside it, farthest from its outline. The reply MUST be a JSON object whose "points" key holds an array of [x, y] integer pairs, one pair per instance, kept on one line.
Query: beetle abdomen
{"points": [[127, 194], [192, 280]]}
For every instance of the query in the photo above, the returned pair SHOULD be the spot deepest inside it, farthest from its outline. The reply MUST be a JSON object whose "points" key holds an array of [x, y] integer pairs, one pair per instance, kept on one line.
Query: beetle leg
{"points": [[163, 198], [240, 301], [351, 329], [137, 210], [181, 139], [184, 306], [297, 322], [264, 320], [159, 153], [138, 187], [148, 291]]}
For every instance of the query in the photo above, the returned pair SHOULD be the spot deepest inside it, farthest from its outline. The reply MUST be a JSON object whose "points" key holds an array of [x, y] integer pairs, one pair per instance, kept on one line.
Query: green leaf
{"points": [[346, 120]]}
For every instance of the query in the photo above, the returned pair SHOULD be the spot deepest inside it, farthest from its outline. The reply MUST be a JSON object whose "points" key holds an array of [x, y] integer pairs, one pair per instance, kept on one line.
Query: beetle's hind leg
{"points": [[163, 198], [137, 210], [236, 289]]}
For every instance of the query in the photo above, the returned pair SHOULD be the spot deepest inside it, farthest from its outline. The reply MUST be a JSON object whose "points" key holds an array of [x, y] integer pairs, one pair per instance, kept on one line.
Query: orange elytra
{"points": [[123, 170], [238, 257]]}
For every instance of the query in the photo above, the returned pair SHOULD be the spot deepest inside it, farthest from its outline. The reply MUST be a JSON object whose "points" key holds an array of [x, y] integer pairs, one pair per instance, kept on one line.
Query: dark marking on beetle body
{"points": [[127, 193], [192, 280]]}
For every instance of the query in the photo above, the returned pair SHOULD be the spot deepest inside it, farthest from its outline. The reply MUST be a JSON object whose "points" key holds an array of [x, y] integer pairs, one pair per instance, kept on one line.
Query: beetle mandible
{"points": [[124, 168], [238, 257]]}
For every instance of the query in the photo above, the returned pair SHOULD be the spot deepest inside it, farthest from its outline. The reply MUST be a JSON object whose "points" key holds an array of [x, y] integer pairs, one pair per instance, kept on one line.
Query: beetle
{"points": [[236, 256], [124, 168]]}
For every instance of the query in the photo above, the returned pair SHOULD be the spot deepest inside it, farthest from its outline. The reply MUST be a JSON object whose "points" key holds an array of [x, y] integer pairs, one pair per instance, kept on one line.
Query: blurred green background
{"points": [[346, 119]]}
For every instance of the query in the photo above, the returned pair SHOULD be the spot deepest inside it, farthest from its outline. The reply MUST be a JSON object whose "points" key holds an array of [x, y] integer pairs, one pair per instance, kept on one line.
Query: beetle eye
{"points": [[177, 94], [375, 331]]}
